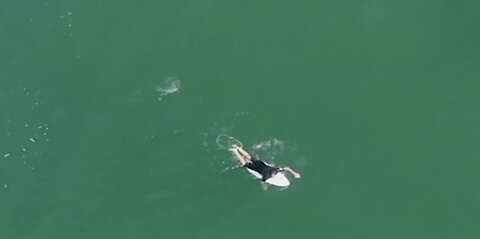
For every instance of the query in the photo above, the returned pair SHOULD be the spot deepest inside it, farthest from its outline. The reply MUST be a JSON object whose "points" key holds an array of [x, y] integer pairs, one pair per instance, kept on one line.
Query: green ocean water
{"points": [[374, 102]]}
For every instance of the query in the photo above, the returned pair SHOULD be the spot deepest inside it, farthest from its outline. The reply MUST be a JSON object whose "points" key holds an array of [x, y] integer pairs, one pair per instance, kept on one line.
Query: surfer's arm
{"points": [[290, 170], [239, 156]]}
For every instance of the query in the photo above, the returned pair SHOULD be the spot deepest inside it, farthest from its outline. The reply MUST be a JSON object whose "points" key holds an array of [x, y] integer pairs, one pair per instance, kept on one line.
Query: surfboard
{"points": [[255, 173], [279, 180]]}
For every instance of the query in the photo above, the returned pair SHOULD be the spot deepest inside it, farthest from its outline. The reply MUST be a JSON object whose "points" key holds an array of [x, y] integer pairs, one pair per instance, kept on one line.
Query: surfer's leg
{"points": [[239, 156], [243, 153]]}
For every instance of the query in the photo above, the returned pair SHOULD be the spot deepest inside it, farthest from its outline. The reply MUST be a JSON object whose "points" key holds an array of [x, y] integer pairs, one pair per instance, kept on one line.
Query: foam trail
{"points": [[169, 86], [226, 141]]}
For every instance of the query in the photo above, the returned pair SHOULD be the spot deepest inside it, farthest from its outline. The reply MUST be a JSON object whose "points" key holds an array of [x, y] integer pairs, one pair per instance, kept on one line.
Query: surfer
{"points": [[268, 173]]}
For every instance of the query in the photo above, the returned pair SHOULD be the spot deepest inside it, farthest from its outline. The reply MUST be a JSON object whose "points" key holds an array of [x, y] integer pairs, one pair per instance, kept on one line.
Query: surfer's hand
{"points": [[297, 175]]}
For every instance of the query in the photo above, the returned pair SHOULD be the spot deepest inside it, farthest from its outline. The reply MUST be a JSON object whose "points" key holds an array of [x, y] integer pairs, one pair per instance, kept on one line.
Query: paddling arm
{"points": [[264, 185], [290, 170]]}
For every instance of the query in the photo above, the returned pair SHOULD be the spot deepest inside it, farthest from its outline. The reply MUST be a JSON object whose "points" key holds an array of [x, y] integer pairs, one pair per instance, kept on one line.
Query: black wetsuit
{"points": [[262, 168]]}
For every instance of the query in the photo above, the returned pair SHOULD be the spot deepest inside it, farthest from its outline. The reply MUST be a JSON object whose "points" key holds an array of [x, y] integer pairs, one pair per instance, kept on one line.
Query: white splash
{"points": [[169, 86]]}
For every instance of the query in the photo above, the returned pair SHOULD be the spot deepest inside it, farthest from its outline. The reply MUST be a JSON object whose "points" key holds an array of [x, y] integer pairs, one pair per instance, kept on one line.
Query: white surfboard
{"points": [[255, 173], [279, 179]]}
